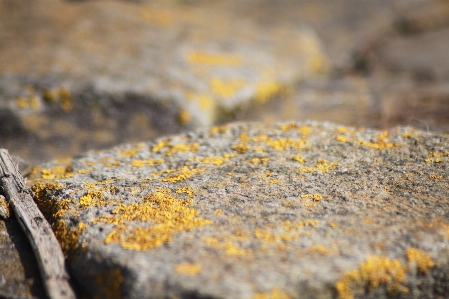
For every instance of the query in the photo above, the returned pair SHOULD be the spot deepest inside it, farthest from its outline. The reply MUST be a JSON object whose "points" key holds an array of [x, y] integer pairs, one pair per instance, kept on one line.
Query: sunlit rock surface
{"points": [[294, 210]]}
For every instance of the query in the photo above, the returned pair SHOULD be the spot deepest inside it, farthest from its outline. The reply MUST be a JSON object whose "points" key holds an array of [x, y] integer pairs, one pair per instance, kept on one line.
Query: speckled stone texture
{"points": [[293, 210]]}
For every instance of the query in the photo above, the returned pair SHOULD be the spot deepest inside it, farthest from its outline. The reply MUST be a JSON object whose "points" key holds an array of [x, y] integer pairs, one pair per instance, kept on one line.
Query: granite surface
{"points": [[292, 210]]}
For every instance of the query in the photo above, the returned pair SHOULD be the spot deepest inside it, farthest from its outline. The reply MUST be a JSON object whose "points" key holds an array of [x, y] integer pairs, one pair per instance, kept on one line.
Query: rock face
{"points": [[103, 72], [293, 210]]}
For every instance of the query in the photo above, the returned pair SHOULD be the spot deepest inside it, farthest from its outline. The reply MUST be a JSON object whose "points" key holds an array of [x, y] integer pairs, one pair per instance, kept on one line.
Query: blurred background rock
{"points": [[78, 75]]}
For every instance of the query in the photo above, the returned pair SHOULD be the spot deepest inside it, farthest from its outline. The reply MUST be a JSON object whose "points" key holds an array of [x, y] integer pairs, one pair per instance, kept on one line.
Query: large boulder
{"points": [[292, 210]]}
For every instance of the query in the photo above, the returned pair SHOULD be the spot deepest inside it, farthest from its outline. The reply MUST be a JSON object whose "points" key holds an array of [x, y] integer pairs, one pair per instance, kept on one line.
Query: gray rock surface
{"points": [[91, 72], [293, 210]]}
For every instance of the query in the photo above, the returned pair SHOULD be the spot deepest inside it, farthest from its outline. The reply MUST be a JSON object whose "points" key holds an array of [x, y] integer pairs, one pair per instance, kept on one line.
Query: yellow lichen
{"points": [[92, 198], [160, 145], [83, 171], [178, 148], [258, 160], [241, 147], [321, 165], [149, 162], [214, 58], [226, 88], [373, 272], [58, 172], [184, 117], [283, 144], [131, 152], [216, 130], [315, 197], [228, 246], [273, 294], [267, 90], [189, 269], [420, 259], [342, 138], [166, 214], [5, 208], [182, 174], [112, 164], [319, 249], [68, 239]]}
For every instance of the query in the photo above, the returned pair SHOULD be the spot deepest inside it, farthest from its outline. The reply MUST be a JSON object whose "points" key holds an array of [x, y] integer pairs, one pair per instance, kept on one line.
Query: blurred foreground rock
{"points": [[292, 210]]}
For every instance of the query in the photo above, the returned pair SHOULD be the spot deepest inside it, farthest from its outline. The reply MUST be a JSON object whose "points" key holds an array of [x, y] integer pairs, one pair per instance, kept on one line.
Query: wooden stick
{"points": [[43, 241]]}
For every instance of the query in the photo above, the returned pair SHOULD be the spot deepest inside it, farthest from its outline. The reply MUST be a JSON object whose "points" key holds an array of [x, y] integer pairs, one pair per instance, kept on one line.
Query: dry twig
{"points": [[43, 241]]}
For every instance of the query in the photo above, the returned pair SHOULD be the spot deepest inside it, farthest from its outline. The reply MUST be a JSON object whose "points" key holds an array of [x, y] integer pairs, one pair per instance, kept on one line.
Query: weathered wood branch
{"points": [[43, 241]]}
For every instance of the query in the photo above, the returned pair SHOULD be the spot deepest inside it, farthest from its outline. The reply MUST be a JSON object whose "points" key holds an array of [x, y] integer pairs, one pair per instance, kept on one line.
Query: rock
{"points": [[83, 75], [292, 210], [19, 273]]}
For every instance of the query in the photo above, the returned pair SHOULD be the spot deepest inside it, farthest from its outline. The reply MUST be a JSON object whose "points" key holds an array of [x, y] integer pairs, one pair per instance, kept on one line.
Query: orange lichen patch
{"points": [[304, 130], [432, 160], [167, 214], [299, 159], [182, 174], [214, 59], [241, 147], [111, 282], [131, 152], [244, 137], [184, 117], [320, 249], [178, 148], [149, 162], [226, 88], [420, 259], [83, 171], [228, 246], [160, 145], [333, 225], [267, 90], [189, 269], [374, 271], [343, 130], [381, 142], [273, 181], [68, 239], [260, 138], [112, 164], [42, 196], [214, 160], [314, 197], [342, 138], [216, 130], [436, 177], [273, 294], [187, 190], [57, 172], [268, 236], [283, 144], [5, 208], [218, 212], [32, 102], [289, 226], [321, 165], [258, 160], [94, 198]]}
